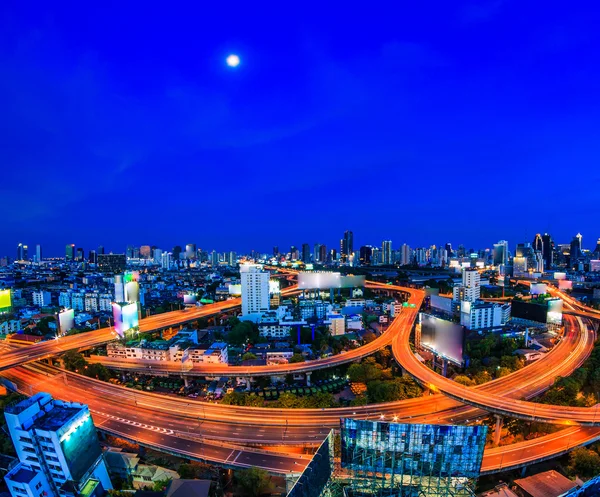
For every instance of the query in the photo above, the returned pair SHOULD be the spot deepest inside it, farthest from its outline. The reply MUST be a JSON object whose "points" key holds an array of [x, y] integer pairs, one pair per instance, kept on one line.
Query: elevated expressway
{"points": [[191, 428]]}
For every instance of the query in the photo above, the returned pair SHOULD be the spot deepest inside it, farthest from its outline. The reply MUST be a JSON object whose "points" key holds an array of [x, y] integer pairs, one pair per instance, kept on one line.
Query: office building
{"points": [[576, 252], [520, 266], [115, 263], [38, 253], [317, 253], [190, 251], [406, 255], [547, 251], [346, 246], [79, 256], [232, 259], [386, 252], [305, 253], [500, 254], [58, 450], [255, 289], [92, 257], [22, 252], [157, 256], [70, 253], [275, 251], [470, 290], [100, 249], [145, 252], [364, 255], [166, 260]]}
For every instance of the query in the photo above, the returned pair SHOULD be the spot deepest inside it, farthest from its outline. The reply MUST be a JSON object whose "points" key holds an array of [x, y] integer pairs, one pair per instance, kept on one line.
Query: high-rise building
{"points": [[112, 262], [386, 252], [547, 250], [364, 255], [214, 258], [145, 251], [538, 243], [406, 256], [176, 253], [166, 260], [58, 450], [255, 289], [275, 251], [597, 249], [576, 249], [190, 251], [38, 253], [346, 245], [449, 249], [317, 253], [500, 253], [70, 253], [232, 258], [92, 257], [100, 249], [79, 257], [20, 252], [305, 253], [323, 254], [470, 290]]}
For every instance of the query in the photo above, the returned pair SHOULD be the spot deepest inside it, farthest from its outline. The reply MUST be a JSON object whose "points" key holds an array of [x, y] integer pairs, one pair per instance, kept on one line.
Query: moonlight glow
{"points": [[233, 60]]}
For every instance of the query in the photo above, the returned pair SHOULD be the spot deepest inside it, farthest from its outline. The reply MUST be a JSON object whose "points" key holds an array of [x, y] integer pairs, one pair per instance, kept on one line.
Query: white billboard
{"points": [[441, 303], [66, 321], [560, 276], [125, 318], [235, 289], [132, 292], [325, 280], [565, 285], [539, 288], [189, 299], [555, 307]]}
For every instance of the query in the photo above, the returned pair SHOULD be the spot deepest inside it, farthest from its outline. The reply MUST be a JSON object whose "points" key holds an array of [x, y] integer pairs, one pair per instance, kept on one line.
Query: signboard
{"points": [[189, 299], [539, 288], [442, 337], [5, 301], [326, 280], [125, 318], [555, 307], [66, 320]]}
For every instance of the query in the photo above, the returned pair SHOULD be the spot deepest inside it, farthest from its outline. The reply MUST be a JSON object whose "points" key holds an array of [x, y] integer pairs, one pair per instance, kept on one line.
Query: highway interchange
{"points": [[230, 435]]}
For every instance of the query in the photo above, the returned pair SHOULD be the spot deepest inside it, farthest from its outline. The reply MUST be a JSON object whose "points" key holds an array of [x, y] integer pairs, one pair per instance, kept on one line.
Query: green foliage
{"points": [[248, 356], [243, 332], [161, 485], [584, 462], [297, 358], [389, 391], [74, 361], [253, 482], [464, 380]]}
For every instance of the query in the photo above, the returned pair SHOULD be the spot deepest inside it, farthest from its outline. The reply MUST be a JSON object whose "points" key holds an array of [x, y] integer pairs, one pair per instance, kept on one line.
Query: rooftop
{"points": [[546, 484], [21, 474], [56, 418]]}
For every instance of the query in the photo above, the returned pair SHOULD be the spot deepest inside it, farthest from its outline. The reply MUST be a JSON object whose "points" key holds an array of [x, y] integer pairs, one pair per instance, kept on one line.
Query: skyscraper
{"points": [[538, 243], [255, 289], [346, 245], [232, 258], [38, 253], [275, 251], [21, 252], [547, 251], [500, 253], [406, 256], [576, 252], [190, 251], [470, 289], [386, 252], [364, 255], [305, 253], [70, 253], [100, 249], [176, 252], [317, 253], [79, 257], [145, 251]]}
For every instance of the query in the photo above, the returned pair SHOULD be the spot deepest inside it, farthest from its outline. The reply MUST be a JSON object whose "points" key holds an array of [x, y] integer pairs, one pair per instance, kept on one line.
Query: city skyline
{"points": [[588, 243], [382, 119]]}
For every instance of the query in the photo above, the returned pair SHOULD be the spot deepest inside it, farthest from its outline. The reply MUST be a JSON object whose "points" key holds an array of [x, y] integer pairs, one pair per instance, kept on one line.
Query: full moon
{"points": [[233, 60]]}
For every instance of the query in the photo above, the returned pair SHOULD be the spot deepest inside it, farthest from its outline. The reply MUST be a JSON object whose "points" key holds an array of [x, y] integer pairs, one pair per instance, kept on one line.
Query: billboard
{"points": [[326, 280], [274, 287], [539, 288], [531, 312], [5, 301], [554, 315], [560, 276], [442, 337], [442, 303], [132, 292], [125, 318], [235, 289], [421, 450], [66, 320], [565, 285], [189, 299], [80, 446]]}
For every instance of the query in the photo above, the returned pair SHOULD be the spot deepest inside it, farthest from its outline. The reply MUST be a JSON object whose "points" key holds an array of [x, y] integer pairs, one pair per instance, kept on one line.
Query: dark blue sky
{"points": [[431, 122]]}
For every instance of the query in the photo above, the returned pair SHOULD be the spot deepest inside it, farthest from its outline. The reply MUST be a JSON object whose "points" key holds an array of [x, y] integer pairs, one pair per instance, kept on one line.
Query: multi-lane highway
{"points": [[131, 410]]}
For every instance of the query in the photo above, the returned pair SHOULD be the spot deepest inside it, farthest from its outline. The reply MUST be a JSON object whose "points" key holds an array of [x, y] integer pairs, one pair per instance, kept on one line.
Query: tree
{"points": [[248, 356], [254, 482], [297, 358], [464, 380], [161, 485], [74, 361], [584, 462], [242, 332], [482, 377], [369, 336], [502, 371]]}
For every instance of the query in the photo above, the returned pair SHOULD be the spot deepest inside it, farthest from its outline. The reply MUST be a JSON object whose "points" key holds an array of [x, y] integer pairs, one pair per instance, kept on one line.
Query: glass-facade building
{"points": [[411, 459]]}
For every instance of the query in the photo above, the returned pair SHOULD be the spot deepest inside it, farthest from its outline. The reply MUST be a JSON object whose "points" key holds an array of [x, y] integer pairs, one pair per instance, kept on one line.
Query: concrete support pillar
{"points": [[444, 368], [312, 327], [186, 381], [299, 327], [308, 379], [498, 429], [248, 382]]}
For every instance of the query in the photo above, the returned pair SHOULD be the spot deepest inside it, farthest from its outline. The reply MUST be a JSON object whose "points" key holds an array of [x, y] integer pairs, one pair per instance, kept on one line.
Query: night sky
{"points": [[466, 122]]}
